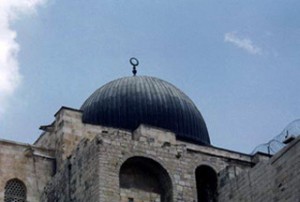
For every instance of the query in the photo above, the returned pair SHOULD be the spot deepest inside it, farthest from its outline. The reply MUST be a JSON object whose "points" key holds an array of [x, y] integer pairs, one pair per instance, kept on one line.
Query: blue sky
{"points": [[237, 60]]}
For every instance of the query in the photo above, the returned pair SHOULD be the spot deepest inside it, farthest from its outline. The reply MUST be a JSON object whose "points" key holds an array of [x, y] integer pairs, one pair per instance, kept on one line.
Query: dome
{"points": [[130, 101]]}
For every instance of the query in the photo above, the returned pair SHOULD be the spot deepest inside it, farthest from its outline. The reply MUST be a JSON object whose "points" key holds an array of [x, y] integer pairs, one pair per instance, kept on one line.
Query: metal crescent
{"points": [[134, 62]]}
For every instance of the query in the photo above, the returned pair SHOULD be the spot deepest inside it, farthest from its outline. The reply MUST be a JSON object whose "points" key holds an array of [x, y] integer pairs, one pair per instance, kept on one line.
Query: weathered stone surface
{"points": [[34, 166], [277, 179], [112, 147]]}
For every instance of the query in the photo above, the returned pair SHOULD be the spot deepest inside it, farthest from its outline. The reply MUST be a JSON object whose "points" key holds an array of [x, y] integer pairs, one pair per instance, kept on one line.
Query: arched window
{"points": [[206, 179], [15, 191], [143, 179]]}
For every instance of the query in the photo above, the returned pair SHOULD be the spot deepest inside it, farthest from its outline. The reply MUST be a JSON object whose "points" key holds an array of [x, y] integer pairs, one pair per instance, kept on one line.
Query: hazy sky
{"points": [[239, 61]]}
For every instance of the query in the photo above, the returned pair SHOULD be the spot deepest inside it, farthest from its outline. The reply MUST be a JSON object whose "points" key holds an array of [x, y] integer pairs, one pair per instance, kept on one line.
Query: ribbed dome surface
{"points": [[130, 101]]}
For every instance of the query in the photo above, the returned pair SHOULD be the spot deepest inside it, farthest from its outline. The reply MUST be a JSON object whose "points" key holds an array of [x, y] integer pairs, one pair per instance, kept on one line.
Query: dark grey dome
{"points": [[130, 101]]}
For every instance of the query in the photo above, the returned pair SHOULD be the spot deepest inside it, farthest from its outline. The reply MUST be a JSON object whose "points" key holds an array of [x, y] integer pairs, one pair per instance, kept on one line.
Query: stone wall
{"points": [[65, 133], [104, 150], [78, 179], [60, 136], [276, 179], [32, 165], [180, 160], [138, 195], [90, 157]]}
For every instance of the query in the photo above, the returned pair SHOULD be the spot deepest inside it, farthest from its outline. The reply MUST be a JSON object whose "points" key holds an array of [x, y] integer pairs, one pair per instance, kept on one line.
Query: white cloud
{"points": [[243, 43], [10, 76]]}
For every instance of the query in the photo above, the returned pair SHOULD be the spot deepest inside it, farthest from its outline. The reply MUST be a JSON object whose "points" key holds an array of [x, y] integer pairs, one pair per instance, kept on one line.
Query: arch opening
{"points": [[143, 179], [15, 191], [206, 181]]}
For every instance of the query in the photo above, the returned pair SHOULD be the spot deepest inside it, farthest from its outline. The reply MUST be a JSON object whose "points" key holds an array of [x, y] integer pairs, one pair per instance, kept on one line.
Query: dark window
{"points": [[206, 179], [130, 200], [15, 191]]}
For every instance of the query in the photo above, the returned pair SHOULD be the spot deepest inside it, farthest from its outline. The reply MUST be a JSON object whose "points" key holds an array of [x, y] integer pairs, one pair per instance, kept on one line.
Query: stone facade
{"points": [[32, 165], [73, 161], [113, 147], [277, 179]]}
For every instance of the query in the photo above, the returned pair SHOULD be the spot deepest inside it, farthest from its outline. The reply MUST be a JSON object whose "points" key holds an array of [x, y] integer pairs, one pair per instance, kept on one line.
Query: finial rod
{"points": [[134, 62]]}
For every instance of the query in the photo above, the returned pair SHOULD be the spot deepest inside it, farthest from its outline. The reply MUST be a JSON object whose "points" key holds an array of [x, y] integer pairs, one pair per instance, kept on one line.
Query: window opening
{"points": [[206, 179], [15, 191]]}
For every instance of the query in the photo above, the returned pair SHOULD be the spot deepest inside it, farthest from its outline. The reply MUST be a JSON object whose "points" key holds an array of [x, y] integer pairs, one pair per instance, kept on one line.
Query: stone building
{"points": [[140, 139]]}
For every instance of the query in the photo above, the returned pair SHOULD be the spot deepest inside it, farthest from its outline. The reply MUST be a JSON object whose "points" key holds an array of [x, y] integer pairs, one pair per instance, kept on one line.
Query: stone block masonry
{"points": [[91, 170], [33, 166], [277, 179]]}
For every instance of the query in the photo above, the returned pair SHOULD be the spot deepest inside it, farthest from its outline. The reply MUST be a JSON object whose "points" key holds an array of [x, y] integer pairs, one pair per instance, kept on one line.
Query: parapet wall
{"points": [[277, 179]]}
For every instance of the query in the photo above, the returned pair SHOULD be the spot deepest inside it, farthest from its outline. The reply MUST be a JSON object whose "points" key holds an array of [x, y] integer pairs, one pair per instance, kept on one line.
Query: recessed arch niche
{"points": [[143, 179]]}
